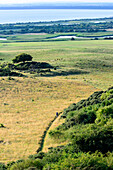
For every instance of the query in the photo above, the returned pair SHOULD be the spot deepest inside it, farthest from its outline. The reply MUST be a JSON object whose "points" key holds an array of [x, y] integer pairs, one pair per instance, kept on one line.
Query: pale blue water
{"points": [[14, 16]]}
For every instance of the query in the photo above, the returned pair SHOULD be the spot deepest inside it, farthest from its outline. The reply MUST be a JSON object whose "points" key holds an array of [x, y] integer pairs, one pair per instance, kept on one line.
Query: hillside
{"points": [[88, 128]]}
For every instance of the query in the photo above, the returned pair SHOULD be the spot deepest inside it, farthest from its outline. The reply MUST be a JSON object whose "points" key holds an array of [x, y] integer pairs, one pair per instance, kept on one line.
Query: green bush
{"points": [[84, 118], [27, 164], [105, 95], [55, 133], [93, 137], [22, 58], [39, 155], [85, 161], [5, 72], [2, 166], [1, 125], [104, 113]]}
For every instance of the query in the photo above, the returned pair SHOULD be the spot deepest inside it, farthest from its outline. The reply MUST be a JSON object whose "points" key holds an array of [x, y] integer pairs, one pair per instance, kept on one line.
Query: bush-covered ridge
{"points": [[97, 108], [89, 129]]}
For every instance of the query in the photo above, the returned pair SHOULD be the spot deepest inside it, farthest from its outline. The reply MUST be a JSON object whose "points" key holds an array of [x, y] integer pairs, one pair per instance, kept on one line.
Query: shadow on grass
{"points": [[64, 73]]}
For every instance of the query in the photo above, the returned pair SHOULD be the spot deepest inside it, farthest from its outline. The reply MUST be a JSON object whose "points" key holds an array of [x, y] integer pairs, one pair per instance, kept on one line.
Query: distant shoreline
{"points": [[56, 7], [47, 15]]}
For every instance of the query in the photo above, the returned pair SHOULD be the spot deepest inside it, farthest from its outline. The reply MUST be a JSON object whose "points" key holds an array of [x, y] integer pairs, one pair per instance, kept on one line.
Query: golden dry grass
{"points": [[27, 106]]}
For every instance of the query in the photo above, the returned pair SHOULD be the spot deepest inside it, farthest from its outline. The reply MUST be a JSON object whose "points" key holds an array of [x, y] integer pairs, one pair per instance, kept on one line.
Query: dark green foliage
{"points": [[6, 71], [84, 161], [72, 38], [32, 66], [1, 125], [92, 104], [27, 164], [94, 138], [70, 108], [88, 117], [93, 99], [104, 113], [9, 164], [82, 25], [22, 58], [39, 155], [2, 166], [55, 133]]}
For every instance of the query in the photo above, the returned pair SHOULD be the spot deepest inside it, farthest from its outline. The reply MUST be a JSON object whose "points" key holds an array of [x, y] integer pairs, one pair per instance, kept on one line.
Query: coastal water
{"points": [[16, 16]]}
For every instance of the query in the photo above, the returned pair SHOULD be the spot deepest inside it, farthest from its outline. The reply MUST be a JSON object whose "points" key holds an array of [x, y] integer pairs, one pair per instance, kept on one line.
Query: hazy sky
{"points": [[37, 1]]}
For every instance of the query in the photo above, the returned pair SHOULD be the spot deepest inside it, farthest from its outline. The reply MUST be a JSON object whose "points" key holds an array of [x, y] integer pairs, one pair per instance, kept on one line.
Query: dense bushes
{"points": [[2, 166], [104, 113], [36, 164], [8, 72], [84, 161], [92, 138], [97, 108]]}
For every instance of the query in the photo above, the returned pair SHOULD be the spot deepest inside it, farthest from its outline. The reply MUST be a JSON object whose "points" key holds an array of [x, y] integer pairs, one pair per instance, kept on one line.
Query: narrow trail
{"points": [[54, 123]]}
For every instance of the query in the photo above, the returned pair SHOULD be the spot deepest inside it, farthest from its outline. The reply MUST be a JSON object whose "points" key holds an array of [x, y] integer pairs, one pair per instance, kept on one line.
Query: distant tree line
{"points": [[53, 27]]}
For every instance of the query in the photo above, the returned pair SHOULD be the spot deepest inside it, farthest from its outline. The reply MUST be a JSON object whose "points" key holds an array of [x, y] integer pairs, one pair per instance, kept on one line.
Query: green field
{"points": [[43, 37], [89, 60], [31, 102]]}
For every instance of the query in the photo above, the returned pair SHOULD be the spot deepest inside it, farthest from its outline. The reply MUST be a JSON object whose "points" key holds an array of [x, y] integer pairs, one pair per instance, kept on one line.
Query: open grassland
{"points": [[29, 104], [90, 61]]}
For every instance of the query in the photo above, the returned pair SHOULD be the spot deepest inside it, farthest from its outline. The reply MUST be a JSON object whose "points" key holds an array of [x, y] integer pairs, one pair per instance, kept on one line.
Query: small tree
{"points": [[72, 38], [22, 58]]}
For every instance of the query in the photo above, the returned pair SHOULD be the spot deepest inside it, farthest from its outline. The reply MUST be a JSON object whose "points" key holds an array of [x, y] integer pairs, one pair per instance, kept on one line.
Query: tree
{"points": [[72, 38], [22, 58]]}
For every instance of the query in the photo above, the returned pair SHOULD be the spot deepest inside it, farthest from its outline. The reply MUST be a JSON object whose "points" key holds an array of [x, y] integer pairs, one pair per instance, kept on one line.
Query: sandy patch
{"points": [[36, 34]]}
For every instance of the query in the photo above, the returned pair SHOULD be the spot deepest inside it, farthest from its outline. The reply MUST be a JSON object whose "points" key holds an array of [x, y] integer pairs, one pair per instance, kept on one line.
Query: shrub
{"points": [[84, 161], [88, 117], [39, 155], [9, 164], [105, 95], [1, 125], [104, 113], [55, 133], [93, 137], [22, 58], [27, 164], [2, 166], [5, 72]]}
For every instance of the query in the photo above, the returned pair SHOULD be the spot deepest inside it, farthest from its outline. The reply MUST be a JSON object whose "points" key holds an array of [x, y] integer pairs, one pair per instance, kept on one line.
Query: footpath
{"points": [[45, 141]]}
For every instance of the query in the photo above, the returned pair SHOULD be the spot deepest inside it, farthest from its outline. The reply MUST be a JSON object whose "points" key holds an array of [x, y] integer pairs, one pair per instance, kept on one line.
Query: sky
{"points": [[38, 1]]}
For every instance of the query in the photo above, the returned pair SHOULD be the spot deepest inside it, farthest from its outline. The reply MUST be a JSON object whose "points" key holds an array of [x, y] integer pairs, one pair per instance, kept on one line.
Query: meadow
{"points": [[29, 103]]}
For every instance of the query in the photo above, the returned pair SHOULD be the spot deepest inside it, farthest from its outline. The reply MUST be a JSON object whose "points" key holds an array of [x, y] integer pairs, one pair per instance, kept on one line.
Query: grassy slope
{"points": [[32, 102]]}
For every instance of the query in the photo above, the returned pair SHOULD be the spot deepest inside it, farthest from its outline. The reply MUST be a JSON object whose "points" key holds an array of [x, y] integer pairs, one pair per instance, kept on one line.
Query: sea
{"points": [[36, 15]]}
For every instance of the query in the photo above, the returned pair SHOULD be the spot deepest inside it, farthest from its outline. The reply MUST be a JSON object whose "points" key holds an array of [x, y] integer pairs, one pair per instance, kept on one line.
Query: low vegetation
{"points": [[89, 128], [72, 71]]}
